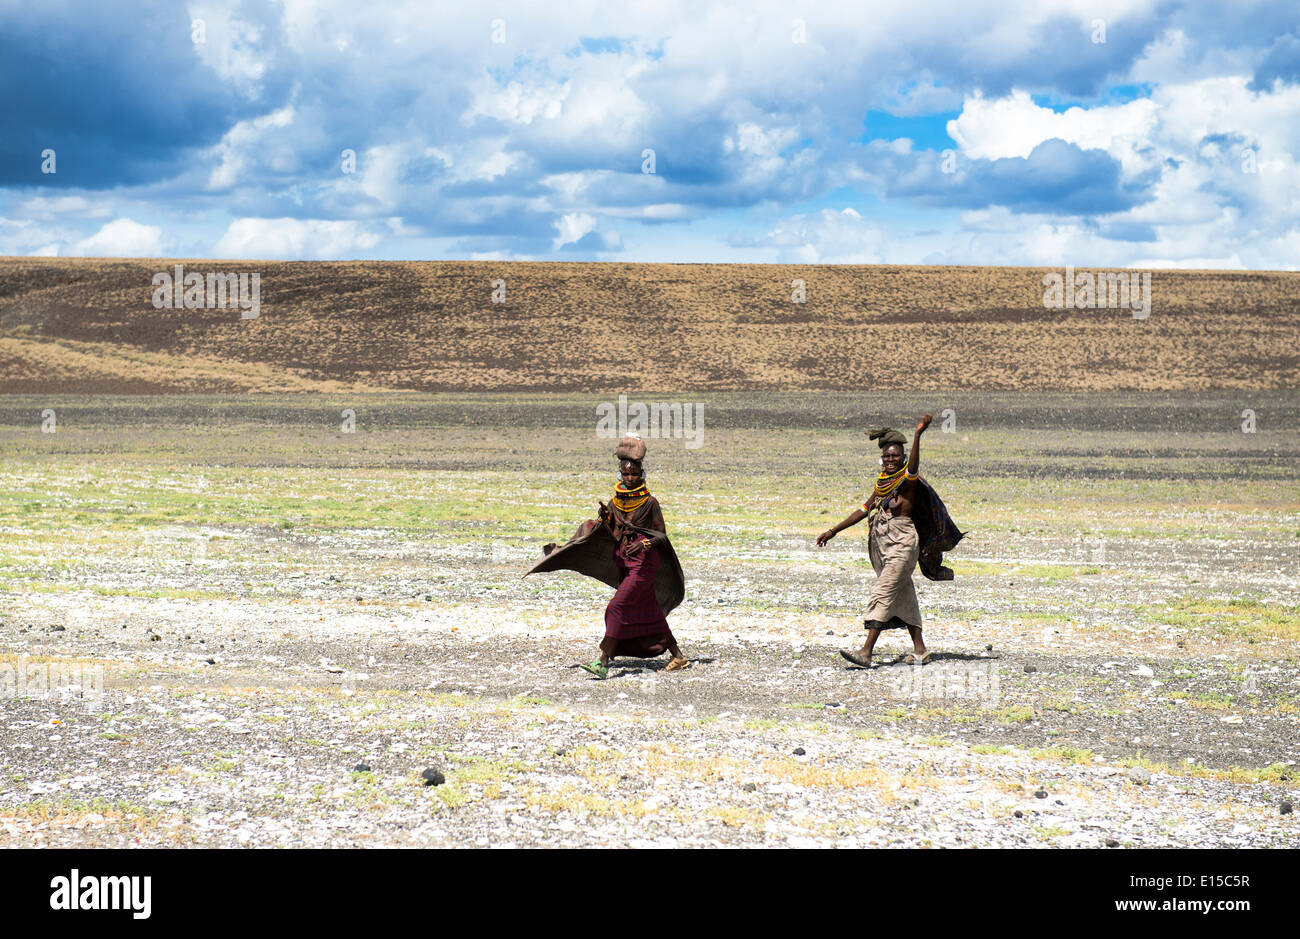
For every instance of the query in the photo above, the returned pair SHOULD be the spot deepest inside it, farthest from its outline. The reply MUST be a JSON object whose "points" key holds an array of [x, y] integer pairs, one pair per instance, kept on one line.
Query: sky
{"points": [[1094, 133]]}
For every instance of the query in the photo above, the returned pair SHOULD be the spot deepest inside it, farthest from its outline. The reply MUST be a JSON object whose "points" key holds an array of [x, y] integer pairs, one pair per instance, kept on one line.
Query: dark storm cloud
{"points": [[118, 94]]}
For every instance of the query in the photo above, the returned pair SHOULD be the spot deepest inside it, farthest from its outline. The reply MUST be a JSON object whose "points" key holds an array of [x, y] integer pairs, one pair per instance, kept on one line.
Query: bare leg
{"points": [[675, 652], [918, 644], [872, 635]]}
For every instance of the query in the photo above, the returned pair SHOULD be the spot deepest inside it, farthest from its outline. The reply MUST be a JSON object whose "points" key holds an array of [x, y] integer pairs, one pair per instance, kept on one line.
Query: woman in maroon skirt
{"points": [[635, 624], [628, 548]]}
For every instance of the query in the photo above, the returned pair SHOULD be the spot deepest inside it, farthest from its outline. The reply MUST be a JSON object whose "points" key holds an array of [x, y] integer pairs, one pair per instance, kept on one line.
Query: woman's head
{"points": [[631, 472], [891, 457]]}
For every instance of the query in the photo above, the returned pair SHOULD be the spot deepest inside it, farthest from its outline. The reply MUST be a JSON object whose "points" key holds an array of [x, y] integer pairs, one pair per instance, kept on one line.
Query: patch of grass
{"points": [[480, 770], [1075, 755], [1206, 701], [592, 753], [1241, 618], [117, 814], [1066, 705], [737, 816], [1049, 832], [581, 802], [971, 568], [822, 776], [1273, 773], [990, 749], [806, 705], [526, 700], [1013, 715]]}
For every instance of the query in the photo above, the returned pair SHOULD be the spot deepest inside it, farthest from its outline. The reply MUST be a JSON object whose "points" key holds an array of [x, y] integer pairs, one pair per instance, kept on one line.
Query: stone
{"points": [[989, 647], [1284, 808], [1030, 669], [1112, 843], [433, 777], [798, 751], [1019, 814], [1139, 775], [750, 787], [361, 768], [1040, 794]]}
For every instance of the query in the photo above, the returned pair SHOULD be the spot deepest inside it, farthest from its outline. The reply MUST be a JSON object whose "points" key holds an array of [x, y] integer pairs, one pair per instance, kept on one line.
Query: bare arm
{"points": [[857, 516], [914, 458]]}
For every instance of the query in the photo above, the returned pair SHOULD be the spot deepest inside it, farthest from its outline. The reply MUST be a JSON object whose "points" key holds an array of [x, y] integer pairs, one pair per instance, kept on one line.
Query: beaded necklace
{"points": [[628, 500], [887, 483]]}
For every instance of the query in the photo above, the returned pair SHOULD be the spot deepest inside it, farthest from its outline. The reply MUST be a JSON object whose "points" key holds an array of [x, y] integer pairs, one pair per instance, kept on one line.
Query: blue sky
{"points": [[1107, 133]]}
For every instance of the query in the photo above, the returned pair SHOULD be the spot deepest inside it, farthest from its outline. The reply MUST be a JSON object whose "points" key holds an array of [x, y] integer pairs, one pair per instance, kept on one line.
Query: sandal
{"points": [[911, 658], [597, 668], [678, 665], [856, 659]]}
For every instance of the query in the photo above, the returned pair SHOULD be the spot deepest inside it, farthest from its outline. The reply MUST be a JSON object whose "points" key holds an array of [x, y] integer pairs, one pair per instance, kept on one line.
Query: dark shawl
{"points": [[591, 551], [935, 531]]}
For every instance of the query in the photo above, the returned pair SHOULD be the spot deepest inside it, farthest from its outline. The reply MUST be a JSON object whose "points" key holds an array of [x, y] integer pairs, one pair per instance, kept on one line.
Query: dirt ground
{"points": [[293, 622], [91, 326]]}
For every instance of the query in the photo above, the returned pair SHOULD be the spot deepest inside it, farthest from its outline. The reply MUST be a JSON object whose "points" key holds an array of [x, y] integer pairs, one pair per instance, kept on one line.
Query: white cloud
{"points": [[992, 129], [122, 238], [51, 206], [22, 237], [571, 228], [295, 239], [232, 47], [244, 143], [827, 237]]}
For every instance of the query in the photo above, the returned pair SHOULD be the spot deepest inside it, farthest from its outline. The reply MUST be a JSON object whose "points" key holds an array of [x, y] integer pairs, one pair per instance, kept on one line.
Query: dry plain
{"points": [[276, 603]]}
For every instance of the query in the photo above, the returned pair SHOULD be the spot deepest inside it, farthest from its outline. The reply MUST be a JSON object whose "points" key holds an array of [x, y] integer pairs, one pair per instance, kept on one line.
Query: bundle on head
{"points": [[886, 436], [630, 448]]}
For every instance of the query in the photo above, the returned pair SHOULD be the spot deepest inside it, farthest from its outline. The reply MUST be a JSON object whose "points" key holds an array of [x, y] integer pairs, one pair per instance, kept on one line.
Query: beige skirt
{"points": [[894, 548]]}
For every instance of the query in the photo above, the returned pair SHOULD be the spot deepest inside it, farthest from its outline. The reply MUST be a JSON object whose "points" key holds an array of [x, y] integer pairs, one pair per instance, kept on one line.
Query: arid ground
{"points": [[90, 326], [294, 622]]}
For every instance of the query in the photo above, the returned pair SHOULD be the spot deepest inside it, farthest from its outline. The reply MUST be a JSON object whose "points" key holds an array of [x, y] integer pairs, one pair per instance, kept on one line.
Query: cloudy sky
{"points": [[1106, 133]]}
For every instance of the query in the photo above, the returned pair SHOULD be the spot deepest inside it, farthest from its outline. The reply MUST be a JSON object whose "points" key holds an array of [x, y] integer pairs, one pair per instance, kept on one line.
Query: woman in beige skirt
{"points": [[909, 524]]}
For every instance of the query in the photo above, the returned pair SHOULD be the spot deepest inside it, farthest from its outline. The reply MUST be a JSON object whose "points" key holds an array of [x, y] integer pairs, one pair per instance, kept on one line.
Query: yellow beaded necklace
{"points": [[885, 484], [628, 500]]}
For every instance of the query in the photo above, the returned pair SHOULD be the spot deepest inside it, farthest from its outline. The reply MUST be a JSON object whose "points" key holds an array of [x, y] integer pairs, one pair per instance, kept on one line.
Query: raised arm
{"points": [[914, 458]]}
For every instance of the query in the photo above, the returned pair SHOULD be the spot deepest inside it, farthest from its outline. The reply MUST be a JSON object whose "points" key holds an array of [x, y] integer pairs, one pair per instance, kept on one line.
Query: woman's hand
{"points": [[825, 537], [924, 423], [636, 547]]}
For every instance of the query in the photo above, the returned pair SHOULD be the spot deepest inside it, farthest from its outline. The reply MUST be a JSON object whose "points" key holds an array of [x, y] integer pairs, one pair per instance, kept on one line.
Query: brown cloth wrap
{"points": [[591, 551]]}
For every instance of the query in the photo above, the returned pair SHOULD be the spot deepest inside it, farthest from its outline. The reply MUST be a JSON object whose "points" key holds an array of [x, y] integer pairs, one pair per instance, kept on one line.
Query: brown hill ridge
{"points": [[89, 325]]}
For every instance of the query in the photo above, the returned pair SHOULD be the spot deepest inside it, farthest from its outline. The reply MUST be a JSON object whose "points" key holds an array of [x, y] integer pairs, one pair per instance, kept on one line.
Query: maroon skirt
{"points": [[633, 618]]}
